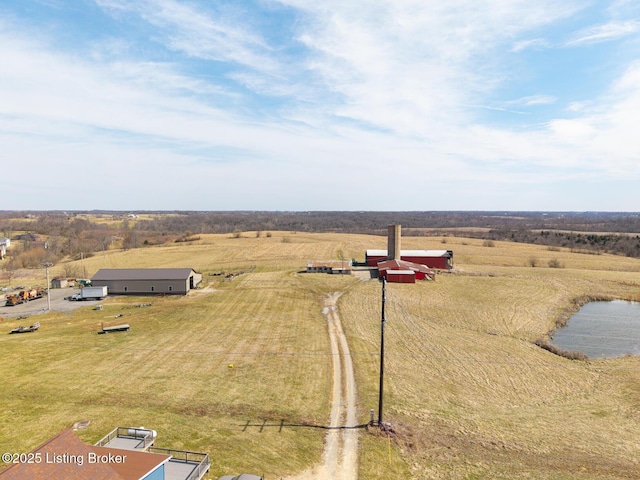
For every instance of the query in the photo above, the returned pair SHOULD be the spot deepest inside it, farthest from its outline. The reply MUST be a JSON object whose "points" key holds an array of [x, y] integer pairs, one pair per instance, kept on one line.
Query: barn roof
{"points": [[425, 253], [401, 272], [142, 274], [403, 265], [412, 253]]}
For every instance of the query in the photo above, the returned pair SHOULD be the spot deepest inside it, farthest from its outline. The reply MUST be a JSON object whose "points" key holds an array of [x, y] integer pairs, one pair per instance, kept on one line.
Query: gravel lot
{"points": [[36, 307]]}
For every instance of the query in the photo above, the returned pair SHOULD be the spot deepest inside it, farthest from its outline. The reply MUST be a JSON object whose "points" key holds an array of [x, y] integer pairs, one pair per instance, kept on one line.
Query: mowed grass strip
{"points": [[241, 372]]}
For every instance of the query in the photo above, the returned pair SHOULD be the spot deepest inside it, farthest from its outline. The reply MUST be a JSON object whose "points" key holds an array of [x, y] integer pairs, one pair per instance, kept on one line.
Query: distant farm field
{"points": [[241, 369]]}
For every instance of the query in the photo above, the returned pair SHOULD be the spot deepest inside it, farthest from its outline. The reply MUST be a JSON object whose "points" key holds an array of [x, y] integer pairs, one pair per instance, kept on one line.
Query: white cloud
{"points": [[535, 44], [604, 33], [412, 67], [383, 90], [224, 36], [534, 100], [572, 131]]}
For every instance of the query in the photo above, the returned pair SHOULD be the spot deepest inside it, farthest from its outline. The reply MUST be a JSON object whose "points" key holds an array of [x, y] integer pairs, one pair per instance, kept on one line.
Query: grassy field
{"points": [[241, 369], [469, 393]]}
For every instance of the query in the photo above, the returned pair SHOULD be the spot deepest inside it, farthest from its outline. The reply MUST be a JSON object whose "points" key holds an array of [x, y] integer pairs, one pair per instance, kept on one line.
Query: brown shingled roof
{"points": [[62, 457], [66, 457]]}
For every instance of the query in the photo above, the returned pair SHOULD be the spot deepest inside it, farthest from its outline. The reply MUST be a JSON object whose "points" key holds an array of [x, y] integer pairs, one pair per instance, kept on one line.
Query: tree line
{"points": [[58, 235]]}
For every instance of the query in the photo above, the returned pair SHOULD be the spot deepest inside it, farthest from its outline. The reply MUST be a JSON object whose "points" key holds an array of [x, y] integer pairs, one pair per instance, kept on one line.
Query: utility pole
{"points": [[380, 398], [46, 265]]}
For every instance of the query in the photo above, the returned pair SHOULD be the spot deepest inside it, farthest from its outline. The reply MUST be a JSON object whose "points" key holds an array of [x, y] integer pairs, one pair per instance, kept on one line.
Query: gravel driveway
{"points": [[36, 307]]}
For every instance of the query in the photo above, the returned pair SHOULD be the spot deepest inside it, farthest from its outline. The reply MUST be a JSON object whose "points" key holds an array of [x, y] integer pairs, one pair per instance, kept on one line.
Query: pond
{"points": [[602, 329]]}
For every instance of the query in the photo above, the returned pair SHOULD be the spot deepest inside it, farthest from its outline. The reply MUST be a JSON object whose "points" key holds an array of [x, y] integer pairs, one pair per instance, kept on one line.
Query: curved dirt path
{"points": [[340, 457]]}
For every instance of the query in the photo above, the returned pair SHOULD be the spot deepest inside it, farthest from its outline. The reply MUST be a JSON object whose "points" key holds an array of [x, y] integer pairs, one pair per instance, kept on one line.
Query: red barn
{"points": [[420, 272], [373, 257], [440, 259], [401, 276]]}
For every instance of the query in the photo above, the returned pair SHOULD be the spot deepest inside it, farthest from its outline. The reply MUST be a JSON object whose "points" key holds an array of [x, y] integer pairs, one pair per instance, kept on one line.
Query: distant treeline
{"points": [[595, 243], [71, 234]]}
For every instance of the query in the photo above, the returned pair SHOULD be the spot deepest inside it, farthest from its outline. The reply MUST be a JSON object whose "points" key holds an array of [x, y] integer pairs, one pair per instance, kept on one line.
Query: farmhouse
{"points": [[147, 281]]}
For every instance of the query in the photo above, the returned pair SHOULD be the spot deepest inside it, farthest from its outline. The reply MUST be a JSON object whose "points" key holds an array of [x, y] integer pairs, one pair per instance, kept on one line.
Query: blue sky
{"points": [[308, 105]]}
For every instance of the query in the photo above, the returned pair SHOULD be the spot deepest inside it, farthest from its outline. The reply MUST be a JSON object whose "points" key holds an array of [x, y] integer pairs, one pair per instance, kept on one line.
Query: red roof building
{"points": [[62, 457], [66, 457], [400, 276], [439, 259], [420, 272]]}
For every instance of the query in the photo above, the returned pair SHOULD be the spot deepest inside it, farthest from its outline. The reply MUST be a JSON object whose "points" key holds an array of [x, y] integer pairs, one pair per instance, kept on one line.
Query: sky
{"points": [[398, 105]]}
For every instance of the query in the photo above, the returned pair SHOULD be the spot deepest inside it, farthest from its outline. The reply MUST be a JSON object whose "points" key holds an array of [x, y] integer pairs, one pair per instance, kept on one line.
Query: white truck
{"points": [[91, 293]]}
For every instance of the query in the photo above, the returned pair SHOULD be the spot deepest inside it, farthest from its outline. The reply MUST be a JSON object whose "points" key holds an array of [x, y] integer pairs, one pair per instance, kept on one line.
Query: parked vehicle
{"points": [[91, 293], [25, 296]]}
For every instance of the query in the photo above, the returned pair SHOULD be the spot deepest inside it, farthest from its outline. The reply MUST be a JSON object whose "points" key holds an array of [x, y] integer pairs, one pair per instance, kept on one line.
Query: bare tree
{"points": [[10, 271], [70, 270]]}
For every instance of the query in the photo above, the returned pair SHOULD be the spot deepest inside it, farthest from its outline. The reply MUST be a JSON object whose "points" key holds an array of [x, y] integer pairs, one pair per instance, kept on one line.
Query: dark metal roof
{"points": [[142, 274]]}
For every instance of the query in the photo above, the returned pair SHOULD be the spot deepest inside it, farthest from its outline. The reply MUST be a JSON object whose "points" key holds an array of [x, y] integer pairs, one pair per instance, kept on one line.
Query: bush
{"points": [[555, 263], [569, 354]]}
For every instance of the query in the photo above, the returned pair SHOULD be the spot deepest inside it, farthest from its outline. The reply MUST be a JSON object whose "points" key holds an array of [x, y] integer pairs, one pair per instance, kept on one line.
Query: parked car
{"points": [[244, 476]]}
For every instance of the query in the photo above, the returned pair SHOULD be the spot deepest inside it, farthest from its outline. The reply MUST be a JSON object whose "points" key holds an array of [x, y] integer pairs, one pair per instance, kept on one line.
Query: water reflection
{"points": [[602, 329]]}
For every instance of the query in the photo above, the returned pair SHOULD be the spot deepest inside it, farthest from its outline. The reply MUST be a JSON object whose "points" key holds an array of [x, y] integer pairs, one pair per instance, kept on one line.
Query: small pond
{"points": [[602, 329]]}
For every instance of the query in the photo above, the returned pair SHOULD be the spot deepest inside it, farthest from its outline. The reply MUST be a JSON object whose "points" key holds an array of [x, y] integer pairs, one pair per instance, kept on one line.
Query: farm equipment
{"points": [[116, 328], [24, 296], [23, 329]]}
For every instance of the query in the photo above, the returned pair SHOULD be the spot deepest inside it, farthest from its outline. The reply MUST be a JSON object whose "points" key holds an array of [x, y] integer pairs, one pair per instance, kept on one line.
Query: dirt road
{"points": [[340, 457]]}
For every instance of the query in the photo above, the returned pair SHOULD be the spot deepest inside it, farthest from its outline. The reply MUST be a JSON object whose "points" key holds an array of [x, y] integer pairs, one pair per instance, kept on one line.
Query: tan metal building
{"points": [[59, 282], [147, 281]]}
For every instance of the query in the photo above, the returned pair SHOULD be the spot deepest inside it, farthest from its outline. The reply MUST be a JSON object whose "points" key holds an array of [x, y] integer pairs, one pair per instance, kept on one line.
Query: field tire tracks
{"points": [[340, 456]]}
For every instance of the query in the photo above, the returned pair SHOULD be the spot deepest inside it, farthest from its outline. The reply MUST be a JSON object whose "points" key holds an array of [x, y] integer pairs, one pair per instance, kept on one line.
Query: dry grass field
{"points": [[468, 392], [241, 369]]}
